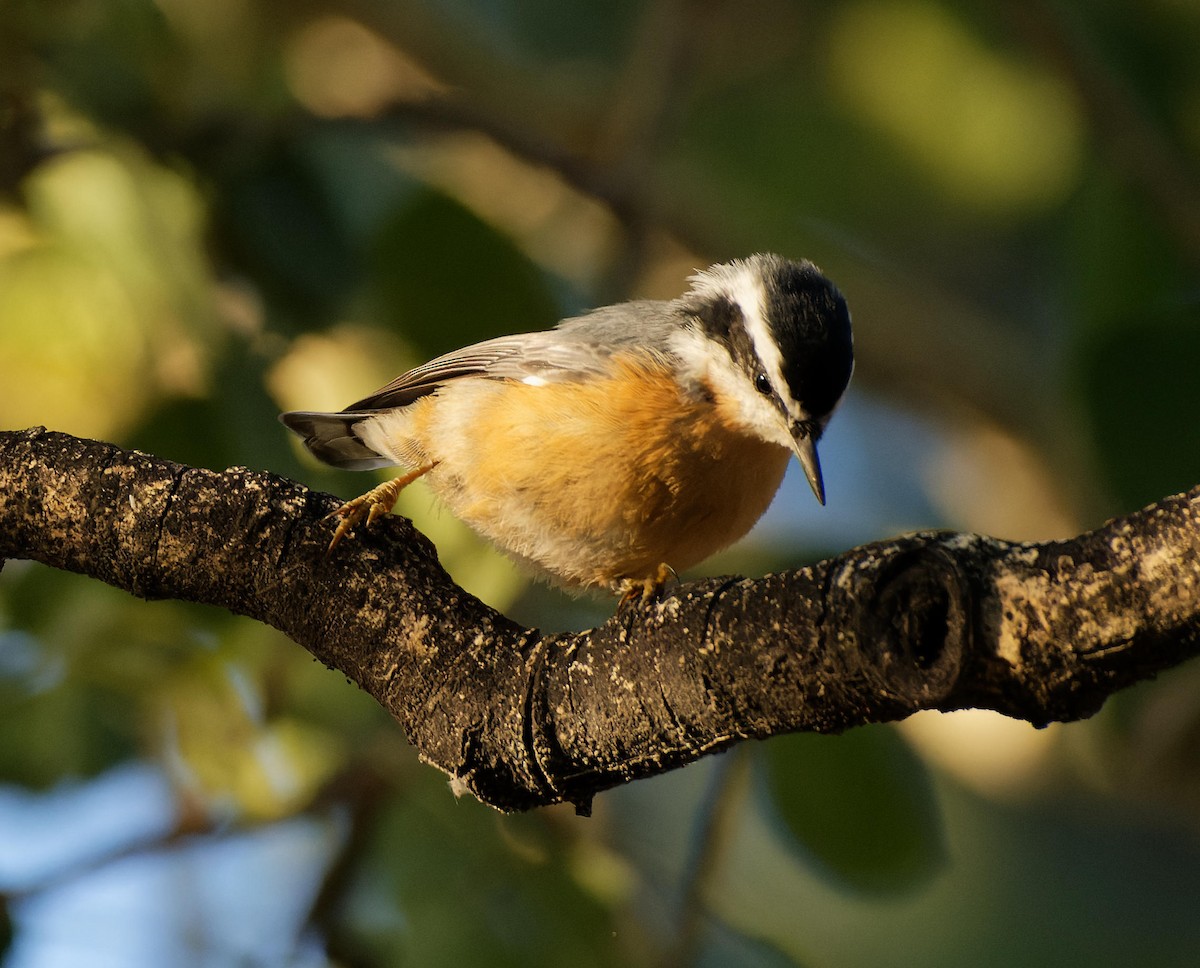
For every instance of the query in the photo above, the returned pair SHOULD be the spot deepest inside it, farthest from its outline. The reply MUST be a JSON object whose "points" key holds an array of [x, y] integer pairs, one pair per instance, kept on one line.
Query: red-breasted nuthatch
{"points": [[622, 444]]}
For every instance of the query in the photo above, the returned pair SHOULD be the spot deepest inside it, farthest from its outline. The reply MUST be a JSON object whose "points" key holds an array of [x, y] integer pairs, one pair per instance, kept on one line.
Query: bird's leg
{"points": [[374, 504]]}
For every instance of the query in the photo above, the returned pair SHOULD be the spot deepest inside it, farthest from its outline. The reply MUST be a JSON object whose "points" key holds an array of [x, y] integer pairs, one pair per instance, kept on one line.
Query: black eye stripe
{"points": [[720, 317], [722, 320]]}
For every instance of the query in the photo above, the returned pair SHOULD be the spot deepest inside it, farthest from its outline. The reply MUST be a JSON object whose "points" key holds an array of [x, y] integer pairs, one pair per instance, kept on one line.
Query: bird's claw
{"points": [[369, 507], [645, 590]]}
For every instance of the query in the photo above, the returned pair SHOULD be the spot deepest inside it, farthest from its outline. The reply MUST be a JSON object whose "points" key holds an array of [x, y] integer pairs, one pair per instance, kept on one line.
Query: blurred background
{"points": [[212, 210]]}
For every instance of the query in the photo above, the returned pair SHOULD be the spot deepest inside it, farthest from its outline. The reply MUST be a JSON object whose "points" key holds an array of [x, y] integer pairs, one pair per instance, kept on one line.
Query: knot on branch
{"points": [[910, 609]]}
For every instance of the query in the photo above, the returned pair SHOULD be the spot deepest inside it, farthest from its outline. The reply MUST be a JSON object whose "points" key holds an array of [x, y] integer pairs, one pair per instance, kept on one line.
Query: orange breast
{"points": [[597, 481]]}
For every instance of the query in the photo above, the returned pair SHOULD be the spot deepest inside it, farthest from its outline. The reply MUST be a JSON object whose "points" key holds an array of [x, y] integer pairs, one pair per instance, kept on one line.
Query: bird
{"points": [[624, 445]]}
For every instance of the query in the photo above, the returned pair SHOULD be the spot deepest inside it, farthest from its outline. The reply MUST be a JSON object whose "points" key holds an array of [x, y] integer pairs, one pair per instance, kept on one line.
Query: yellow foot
{"points": [[374, 504], [645, 590]]}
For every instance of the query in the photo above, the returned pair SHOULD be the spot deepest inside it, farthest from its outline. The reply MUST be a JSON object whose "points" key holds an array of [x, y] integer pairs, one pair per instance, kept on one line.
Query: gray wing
{"points": [[577, 349]]}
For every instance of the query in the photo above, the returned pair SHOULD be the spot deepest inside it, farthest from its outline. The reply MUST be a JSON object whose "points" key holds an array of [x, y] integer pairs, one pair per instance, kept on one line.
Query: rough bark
{"points": [[1040, 632]]}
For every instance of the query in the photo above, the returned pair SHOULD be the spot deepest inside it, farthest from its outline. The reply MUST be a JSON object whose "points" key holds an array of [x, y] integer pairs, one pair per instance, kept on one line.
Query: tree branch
{"points": [[927, 621]]}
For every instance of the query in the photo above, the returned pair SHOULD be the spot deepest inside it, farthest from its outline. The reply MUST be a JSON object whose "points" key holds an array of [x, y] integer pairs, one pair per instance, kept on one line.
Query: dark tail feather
{"points": [[331, 438]]}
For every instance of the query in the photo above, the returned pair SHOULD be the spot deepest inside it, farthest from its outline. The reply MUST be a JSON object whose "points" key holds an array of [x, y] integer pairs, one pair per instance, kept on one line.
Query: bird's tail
{"points": [[333, 438]]}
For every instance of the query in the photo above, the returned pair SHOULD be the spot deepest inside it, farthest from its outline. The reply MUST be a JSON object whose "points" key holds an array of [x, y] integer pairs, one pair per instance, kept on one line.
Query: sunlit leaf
{"points": [[107, 304], [216, 736], [997, 133]]}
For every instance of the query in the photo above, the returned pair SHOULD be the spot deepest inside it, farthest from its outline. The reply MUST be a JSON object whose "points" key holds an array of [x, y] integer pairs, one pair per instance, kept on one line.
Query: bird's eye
{"points": [[762, 384]]}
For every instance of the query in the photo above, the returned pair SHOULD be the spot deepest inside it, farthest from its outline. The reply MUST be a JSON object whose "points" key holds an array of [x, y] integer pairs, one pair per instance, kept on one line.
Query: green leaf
{"points": [[446, 884], [724, 947], [67, 730], [445, 278], [1139, 386], [281, 224], [861, 805]]}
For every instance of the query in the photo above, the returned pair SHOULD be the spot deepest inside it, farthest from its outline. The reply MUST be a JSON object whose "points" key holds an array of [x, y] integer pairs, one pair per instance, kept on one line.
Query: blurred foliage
{"points": [[874, 824], [420, 257], [212, 211]]}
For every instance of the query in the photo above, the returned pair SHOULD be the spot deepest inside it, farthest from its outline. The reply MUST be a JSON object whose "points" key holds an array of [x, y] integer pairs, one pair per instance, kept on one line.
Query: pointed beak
{"points": [[805, 446]]}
